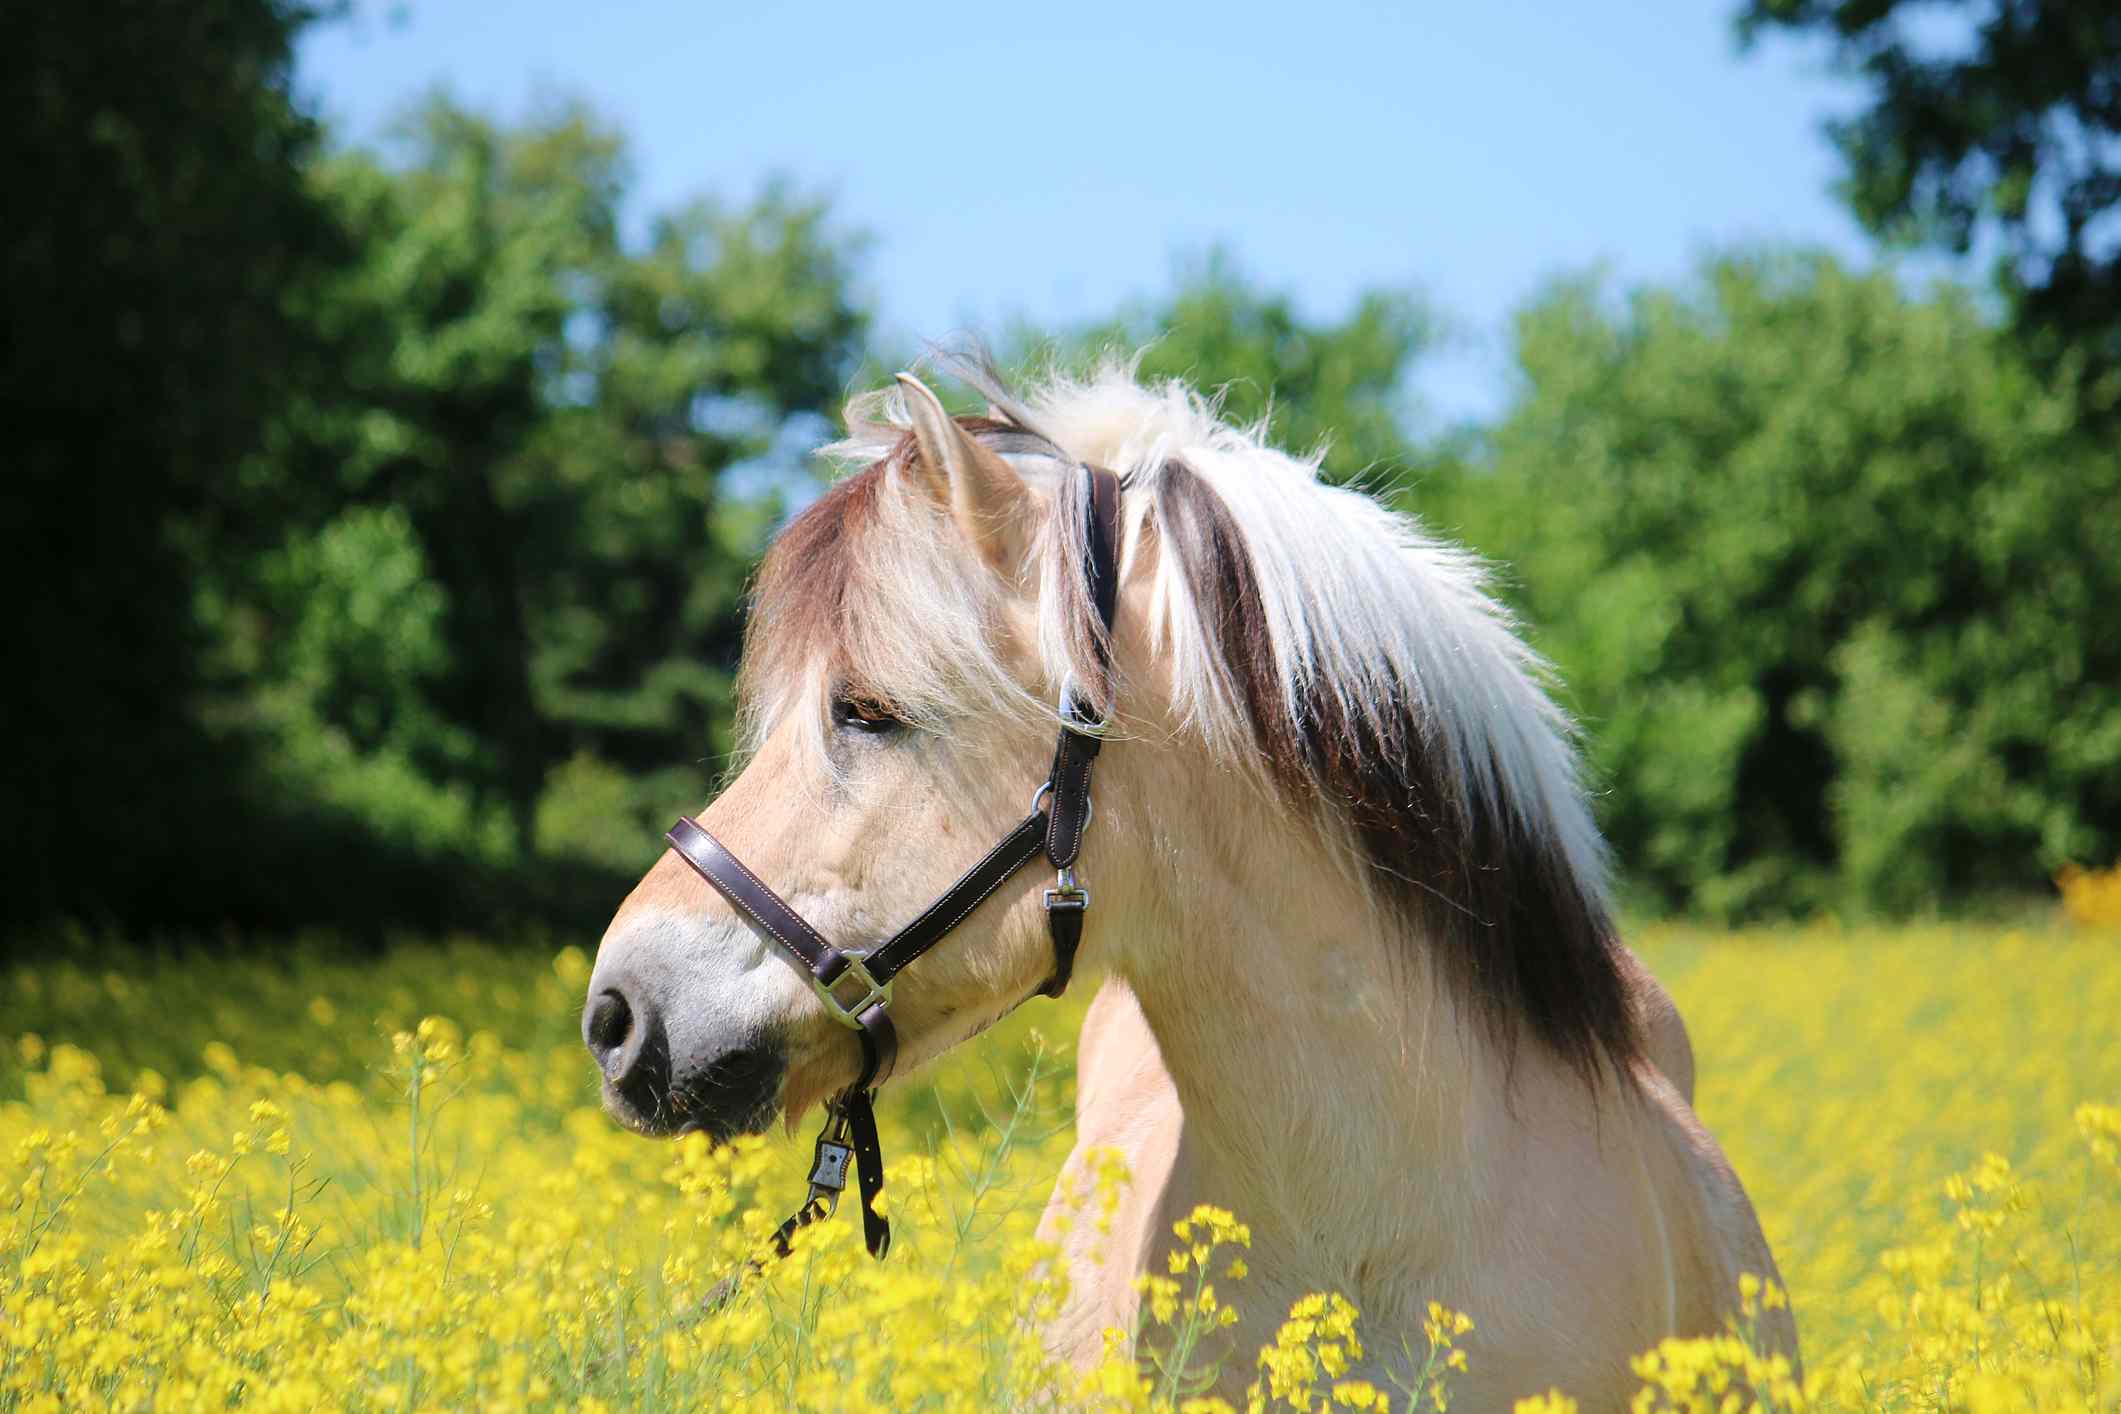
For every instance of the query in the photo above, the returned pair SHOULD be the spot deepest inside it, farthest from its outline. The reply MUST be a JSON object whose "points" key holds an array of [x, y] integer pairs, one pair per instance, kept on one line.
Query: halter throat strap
{"points": [[855, 985]]}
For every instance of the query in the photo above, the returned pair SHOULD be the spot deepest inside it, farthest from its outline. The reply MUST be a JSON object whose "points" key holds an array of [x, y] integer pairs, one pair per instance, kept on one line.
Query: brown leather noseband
{"points": [[855, 985]]}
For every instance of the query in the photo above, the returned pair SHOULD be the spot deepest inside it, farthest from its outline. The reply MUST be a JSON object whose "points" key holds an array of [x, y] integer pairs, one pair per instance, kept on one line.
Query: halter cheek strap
{"points": [[855, 985]]}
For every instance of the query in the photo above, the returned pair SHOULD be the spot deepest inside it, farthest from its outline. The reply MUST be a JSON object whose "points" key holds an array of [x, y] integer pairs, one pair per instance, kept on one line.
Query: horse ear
{"points": [[986, 498]]}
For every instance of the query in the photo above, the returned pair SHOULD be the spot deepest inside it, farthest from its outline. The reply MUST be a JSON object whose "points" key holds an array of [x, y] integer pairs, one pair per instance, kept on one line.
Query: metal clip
{"points": [[1067, 893], [828, 1169]]}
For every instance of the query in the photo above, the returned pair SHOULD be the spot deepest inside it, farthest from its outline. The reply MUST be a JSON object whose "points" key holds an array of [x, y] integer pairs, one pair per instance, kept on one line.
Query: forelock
{"points": [[872, 590]]}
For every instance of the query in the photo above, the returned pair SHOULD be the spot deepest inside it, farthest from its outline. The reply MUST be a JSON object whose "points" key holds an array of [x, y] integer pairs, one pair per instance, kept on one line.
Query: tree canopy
{"points": [[538, 433], [1341, 384], [1823, 566], [380, 518], [159, 223], [2000, 119]]}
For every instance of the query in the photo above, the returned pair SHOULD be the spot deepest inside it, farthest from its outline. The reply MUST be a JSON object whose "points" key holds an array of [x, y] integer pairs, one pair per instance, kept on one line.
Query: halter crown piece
{"points": [[855, 985]]}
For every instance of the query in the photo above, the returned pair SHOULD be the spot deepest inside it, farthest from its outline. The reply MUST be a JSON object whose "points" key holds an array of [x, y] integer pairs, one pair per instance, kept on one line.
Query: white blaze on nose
{"points": [[711, 980]]}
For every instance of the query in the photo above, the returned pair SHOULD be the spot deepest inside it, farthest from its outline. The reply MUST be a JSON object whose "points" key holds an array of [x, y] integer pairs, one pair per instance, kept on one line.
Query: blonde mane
{"points": [[1315, 638]]}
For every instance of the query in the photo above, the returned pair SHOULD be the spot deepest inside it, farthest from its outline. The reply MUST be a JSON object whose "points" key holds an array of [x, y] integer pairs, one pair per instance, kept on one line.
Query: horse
{"points": [[1365, 988]]}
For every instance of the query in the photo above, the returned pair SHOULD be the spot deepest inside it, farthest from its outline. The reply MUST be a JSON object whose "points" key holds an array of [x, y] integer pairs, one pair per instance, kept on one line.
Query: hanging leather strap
{"points": [[868, 1170], [1082, 733], [856, 988]]}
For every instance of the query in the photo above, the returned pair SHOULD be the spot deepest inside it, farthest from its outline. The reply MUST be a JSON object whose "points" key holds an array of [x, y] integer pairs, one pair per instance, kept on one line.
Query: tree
{"points": [[519, 479], [2014, 129], [158, 226], [1825, 568], [1339, 385], [378, 523]]}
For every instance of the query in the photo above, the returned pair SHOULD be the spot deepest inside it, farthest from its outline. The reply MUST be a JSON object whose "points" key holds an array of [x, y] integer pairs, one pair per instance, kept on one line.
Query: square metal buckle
{"points": [[844, 1013]]}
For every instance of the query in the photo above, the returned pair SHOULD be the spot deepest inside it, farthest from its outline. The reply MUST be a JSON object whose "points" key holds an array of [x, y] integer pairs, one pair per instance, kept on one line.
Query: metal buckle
{"points": [[873, 993], [1067, 893], [1075, 719]]}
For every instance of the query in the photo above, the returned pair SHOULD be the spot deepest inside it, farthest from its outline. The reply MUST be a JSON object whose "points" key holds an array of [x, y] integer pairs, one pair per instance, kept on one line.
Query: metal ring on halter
{"points": [[1089, 806]]}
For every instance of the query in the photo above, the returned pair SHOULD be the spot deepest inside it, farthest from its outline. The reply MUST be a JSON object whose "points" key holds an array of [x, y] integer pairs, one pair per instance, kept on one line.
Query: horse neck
{"points": [[1329, 1087]]}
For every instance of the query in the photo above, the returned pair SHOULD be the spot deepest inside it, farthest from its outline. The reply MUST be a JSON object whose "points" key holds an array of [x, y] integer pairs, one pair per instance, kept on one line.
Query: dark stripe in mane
{"points": [[1510, 923]]}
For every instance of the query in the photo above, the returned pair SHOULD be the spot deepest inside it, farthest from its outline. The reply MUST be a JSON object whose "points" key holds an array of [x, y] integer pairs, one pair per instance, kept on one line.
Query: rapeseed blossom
{"points": [[328, 1185]]}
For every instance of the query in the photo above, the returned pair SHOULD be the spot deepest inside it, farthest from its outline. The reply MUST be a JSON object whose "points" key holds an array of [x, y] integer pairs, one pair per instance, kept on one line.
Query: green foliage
{"points": [[1826, 569], [157, 226], [359, 639], [550, 413], [378, 522], [1339, 385], [2012, 129], [366, 505]]}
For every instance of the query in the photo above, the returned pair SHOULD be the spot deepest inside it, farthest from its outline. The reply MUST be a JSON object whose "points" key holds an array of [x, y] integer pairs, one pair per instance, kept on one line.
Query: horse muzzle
{"points": [[648, 1089]]}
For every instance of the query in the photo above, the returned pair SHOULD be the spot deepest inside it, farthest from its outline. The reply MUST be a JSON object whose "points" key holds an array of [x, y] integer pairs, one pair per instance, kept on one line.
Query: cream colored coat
{"points": [[1582, 1240]]}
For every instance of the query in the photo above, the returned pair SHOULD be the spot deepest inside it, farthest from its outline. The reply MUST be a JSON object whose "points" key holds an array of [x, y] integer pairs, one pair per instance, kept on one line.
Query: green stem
{"points": [[418, 1210]]}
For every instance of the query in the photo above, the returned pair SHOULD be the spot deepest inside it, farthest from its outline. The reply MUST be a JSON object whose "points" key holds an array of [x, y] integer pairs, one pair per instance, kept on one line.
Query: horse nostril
{"points": [[607, 1028], [624, 1031]]}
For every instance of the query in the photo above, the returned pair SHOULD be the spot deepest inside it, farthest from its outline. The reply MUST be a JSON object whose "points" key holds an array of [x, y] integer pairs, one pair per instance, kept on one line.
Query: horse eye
{"points": [[863, 714]]}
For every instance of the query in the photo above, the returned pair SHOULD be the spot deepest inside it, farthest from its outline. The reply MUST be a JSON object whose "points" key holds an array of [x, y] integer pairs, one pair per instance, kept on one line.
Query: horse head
{"points": [[910, 634]]}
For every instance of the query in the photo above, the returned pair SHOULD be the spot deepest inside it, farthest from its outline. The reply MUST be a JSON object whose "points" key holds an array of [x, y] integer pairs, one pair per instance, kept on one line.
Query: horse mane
{"points": [[1315, 637]]}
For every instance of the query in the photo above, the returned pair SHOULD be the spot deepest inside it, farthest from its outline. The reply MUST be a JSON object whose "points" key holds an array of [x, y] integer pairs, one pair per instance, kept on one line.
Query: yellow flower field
{"points": [[385, 1184]]}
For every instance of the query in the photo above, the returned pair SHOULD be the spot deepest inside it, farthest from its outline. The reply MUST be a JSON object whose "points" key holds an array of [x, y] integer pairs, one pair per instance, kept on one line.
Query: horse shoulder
{"points": [[1125, 1107], [1608, 1231], [1719, 1231]]}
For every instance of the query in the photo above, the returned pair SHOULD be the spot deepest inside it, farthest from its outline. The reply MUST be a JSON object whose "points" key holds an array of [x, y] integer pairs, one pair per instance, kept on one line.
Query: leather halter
{"points": [[855, 985]]}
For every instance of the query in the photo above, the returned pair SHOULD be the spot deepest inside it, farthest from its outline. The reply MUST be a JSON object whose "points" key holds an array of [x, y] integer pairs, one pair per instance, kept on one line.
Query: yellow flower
{"points": [[1552, 1402], [486, 1238]]}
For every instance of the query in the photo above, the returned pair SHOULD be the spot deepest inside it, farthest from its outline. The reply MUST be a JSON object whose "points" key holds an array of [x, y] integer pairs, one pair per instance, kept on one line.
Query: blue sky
{"points": [[1053, 162]]}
